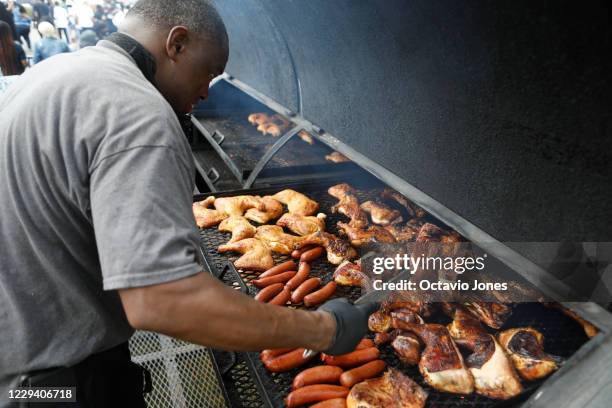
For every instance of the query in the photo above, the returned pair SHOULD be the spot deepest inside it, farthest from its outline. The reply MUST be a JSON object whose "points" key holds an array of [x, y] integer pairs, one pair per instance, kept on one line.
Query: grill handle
{"points": [[218, 137], [215, 175]]}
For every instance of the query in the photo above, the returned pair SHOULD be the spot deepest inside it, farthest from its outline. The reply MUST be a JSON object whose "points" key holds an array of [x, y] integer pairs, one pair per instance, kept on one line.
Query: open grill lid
{"points": [[498, 111]]}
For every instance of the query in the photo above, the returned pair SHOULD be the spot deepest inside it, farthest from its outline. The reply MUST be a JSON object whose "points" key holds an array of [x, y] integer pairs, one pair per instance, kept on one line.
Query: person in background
{"points": [[22, 24], [50, 44], [12, 57], [88, 38], [41, 12], [60, 17], [7, 16], [84, 17]]}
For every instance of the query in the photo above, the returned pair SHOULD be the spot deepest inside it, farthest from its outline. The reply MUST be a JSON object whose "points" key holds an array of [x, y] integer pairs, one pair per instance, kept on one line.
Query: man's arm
{"points": [[202, 310]]}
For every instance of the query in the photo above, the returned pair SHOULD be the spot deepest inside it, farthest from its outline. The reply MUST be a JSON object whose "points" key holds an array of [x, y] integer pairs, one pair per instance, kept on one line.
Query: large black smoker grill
{"points": [[494, 117]]}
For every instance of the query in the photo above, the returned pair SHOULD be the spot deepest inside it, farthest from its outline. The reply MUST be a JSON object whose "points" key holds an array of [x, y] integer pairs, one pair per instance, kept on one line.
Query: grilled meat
{"points": [[493, 373], [297, 203], [379, 321], [239, 226], [381, 214], [492, 314], [590, 330], [258, 118], [413, 209], [256, 255], [360, 237], [301, 224], [441, 363], [274, 125], [238, 205], [432, 233], [276, 239], [400, 300], [407, 347], [207, 217], [386, 337], [272, 209], [525, 346], [392, 390], [348, 205], [306, 137], [337, 249], [407, 232], [337, 157], [349, 274], [382, 320]]}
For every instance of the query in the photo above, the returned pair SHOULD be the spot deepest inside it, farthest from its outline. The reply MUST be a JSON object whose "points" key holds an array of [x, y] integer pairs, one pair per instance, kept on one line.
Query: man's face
{"points": [[185, 78]]}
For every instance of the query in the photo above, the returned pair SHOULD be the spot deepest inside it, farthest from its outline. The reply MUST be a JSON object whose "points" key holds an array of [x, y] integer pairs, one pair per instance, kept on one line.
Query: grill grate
{"points": [[183, 374], [563, 336]]}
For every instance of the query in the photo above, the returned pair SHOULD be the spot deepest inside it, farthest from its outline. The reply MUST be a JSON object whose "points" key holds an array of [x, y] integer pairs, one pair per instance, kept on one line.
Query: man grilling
{"points": [[96, 181]]}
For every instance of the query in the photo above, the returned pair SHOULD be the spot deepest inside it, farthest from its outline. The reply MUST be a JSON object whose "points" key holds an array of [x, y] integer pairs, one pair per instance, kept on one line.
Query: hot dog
{"points": [[269, 292], [287, 361], [283, 267], [314, 393], [271, 353], [352, 359], [300, 276], [282, 298], [364, 372], [311, 254], [332, 403], [269, 280], [320, 295], [365, 343], [323, 374], [304, 289], [298, 252]]}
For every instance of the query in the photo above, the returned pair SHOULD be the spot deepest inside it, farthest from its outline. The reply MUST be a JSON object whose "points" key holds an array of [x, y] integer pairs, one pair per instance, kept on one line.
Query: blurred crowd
{"points": [[33, 30]]}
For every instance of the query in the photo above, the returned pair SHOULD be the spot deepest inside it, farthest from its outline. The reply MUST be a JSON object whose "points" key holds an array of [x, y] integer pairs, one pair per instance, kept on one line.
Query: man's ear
{"points": [[176, 41]]}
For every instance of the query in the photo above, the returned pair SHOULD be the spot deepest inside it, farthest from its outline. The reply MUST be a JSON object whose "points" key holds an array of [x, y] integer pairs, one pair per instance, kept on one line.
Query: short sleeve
{"points": [[141, 212]]}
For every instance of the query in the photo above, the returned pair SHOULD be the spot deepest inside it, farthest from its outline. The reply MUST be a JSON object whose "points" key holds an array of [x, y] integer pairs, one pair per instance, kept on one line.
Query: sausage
{"points": [[320, 295], [352, 359], [301, 276], [298, 252], [323, 374], [287, 361], [269, 280], [269, 292], [314, 393], [365, 343], [364, 372], [275, 270], [271, 353], [332, 403], [311, 254], [282, 298], [304, 289]]}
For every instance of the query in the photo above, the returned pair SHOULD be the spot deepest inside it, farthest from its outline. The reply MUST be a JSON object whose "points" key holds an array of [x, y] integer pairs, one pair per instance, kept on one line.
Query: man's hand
{"points": [[351, 324]]}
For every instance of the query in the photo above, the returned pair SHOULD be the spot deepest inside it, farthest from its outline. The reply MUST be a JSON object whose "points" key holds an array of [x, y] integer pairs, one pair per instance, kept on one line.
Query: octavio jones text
{"points": [[412, 264]]}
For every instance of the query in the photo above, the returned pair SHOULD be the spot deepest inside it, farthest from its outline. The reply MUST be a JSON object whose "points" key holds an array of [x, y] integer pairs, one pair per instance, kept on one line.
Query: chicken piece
{"points": [[407, 347], [407, 232], [441, 363], [349, 274], [348, 205], [297, 203], [258, 118], [392, 390], [360, 237], [405, 315], [382, 320], [301, 224], [379, 321], [525, 346], [493, 373], [337, 157], [492, 314], [256, 255], [276, 239], [386, 337], [239, 226], [272, 129], [238, 205], [306, 137], [590, 330], [381, 214], [413, 209], [337, 249], [207, 217], [272, 209], [400, 300], [274, 125]]}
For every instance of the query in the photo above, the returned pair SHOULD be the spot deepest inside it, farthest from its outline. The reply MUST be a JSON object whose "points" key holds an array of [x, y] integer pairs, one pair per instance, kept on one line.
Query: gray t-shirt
{"points": [[96, 182]]}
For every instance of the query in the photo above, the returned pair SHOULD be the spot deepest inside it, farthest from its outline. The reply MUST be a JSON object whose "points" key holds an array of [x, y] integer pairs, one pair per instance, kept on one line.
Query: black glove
{"points": [[351, 323]]}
